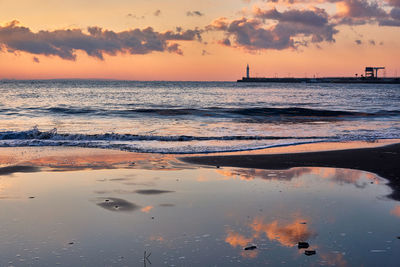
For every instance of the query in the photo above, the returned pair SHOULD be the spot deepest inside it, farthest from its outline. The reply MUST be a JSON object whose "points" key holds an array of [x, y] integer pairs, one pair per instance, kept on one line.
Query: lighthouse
{"points": [[247, 71]]}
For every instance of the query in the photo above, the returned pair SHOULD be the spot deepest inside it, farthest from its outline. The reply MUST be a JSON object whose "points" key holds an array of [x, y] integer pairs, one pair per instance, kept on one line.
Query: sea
{"points": [[193, 117]]}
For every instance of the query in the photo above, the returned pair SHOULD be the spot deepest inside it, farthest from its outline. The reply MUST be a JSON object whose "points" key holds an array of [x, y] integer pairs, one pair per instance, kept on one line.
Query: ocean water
{"points": [[193, 117]]}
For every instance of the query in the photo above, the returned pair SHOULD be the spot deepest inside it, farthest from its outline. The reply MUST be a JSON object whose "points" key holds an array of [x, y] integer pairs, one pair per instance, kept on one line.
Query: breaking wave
{"points": [[36, 134], [181, 144]]}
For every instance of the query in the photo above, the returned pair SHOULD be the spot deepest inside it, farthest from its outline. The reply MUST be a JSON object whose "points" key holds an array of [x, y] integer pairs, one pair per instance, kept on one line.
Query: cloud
{"points": [[395, 13], [130, 15], [389, 22], [293, 28], [394, 20], [394, 2], [157, 13], [225, 42], [205, 53], [95, 42], [194, 13], [316, 17], [359, 12]]}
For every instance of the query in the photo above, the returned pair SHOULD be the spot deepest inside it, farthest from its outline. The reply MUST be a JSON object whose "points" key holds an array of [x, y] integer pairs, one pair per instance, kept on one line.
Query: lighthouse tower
{"points": [[247, 71]]}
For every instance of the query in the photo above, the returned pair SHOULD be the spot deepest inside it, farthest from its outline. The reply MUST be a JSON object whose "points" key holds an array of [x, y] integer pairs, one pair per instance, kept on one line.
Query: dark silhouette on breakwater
{"points": [[370, 76]]}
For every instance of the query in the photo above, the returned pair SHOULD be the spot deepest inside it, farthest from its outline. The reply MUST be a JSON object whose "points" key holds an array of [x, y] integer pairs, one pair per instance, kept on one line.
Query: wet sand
{"points": [[383, 161], [93, 207]]}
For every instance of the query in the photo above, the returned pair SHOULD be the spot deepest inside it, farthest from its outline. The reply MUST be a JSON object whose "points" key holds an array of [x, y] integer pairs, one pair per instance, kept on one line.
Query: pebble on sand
{"points": [[303, 245], [250, 248], [310, 252]]}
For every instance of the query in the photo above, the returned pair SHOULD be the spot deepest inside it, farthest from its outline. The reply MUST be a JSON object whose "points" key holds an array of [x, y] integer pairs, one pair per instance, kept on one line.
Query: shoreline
{"points": [[381, 160], [380, 157]]}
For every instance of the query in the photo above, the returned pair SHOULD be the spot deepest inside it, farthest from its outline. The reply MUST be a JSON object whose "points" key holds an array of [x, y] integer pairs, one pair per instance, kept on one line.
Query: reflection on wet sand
{"points": [[199, 217], [142, 191], [147, 209], [287, 234], [333, 259], [396, 211], [338, 176], [75, 159], [116, 204], [236, 239], [152, 191], [167, 205], [16, 168]]}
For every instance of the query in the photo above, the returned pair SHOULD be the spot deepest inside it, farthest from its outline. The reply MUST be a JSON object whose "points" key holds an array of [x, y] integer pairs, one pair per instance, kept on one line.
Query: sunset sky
{"points": [[196, 40]]}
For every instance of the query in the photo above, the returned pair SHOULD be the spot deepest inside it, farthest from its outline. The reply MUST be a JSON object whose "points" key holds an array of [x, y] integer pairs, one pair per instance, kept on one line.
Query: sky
{"points": [[197, 40]]}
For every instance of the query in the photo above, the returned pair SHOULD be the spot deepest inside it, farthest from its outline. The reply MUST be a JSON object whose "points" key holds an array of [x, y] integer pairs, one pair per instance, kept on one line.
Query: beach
{"points": [[80, 206], [127, 173], [199, 133], [381, 160]]}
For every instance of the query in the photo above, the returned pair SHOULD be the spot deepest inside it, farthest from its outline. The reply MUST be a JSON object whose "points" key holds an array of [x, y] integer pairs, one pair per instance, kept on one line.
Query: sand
{"points": [[381, 158], [383, 161]]}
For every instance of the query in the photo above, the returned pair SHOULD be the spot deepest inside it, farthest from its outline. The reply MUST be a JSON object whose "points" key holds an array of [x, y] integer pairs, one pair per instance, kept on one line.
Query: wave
{"points": [[166, 144], [36, 134], [257, 112]]}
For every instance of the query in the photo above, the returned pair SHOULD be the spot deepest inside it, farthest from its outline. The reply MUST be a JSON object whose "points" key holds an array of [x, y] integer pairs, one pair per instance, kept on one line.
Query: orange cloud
{"points": [[342, 8], [286, 234]]}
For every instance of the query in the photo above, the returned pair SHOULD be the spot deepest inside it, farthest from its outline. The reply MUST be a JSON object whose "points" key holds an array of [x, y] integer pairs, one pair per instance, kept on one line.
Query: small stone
{"points": [[152, 218], [310, 252], [116, 206], [70, 243], [31, 197], [217, 167], [303, 245], [250, 248]]}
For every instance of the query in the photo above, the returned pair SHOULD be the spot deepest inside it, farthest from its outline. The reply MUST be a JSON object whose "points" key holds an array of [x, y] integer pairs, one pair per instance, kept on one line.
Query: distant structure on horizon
{"points": [[372, 72], [370, 76]]}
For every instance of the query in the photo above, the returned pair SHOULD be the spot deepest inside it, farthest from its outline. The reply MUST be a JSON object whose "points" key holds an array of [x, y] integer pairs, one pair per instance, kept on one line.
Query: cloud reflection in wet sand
{"points": [[77, 159], [236, 239], [338, 176], [116, 204], [147, 209], [333, 259], [152, 191], [396, 211], [287, 234]]}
